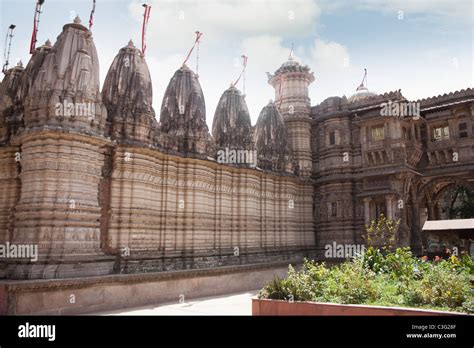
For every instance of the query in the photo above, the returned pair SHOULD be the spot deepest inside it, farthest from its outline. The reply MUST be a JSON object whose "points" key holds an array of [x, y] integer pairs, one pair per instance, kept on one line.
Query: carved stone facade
{"points": [[101, 187], [127, 95], [291, 83], [183, 115], [231, 127], [272, 142], [370, 158]]}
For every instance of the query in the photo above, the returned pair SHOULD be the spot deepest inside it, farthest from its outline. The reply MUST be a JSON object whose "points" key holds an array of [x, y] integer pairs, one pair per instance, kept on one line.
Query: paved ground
{"points": [[232, 304]]}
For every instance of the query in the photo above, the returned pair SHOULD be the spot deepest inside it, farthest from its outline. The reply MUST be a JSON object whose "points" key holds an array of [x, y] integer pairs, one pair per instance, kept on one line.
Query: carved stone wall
{"points": [[9, 189], [168, 205], [291, 82], [231, 127], [10, 108], [271, 141], [113, 191], [127, 95], [65, 92], [10, 103], [384, 163], [58, 206], [183, 115]]}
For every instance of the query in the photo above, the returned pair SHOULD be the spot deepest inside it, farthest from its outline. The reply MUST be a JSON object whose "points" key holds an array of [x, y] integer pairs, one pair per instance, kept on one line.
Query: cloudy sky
{"points": [[423, 47]]}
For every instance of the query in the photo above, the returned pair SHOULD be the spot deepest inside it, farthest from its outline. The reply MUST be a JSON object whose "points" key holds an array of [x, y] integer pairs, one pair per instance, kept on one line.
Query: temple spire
{"points": [[292, 53], [363, 84]]}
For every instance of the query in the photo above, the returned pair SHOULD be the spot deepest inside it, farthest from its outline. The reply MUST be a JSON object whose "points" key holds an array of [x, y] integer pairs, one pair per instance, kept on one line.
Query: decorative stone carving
{"points": [[271, 141], [232, 128], [32, 69], [291, 82], [127, 95], [183, 115], [65, 92], [83, 198], [10, 103]]}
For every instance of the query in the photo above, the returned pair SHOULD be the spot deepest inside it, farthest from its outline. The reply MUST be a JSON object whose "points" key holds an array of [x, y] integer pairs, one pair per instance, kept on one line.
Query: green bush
{"points": [[349, 282], [390, 278], [441, 287]]}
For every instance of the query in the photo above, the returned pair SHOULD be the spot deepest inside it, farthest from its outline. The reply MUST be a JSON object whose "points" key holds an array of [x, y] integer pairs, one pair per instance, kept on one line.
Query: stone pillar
{"points": [[416, 242], [431, 211], [9, 186], [439, 211], [367, 210], [388, 205], [58, 209]]}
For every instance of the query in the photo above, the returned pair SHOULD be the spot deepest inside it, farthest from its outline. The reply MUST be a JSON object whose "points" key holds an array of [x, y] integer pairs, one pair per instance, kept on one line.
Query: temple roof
{"points": [[66, 74], [183, 114], [232, 126], [10, 102], [128, 81], [437, 101], [291, 66], [362, 92], [72, 64], [32, 68], [339, 106], [183, 100], [128, 96], [271, 141], [9, 86]]}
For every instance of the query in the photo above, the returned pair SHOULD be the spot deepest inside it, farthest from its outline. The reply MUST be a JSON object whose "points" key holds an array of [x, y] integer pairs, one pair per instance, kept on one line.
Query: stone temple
{"points": [[109, 195]]}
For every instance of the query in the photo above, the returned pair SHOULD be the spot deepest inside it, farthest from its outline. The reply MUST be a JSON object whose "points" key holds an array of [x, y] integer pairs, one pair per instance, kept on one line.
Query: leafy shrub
{"points": [[276, 290], [374, 260], [381, 278], [381, 233], [441, 287], [349, 282]]}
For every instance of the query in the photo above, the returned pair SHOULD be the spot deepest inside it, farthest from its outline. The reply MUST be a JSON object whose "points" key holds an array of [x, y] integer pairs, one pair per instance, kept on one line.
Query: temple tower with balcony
{"points": [[291, 82]]}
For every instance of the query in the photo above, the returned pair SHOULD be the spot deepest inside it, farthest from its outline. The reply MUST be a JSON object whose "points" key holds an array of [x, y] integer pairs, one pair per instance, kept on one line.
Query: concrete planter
{"points": [[278, 307]]}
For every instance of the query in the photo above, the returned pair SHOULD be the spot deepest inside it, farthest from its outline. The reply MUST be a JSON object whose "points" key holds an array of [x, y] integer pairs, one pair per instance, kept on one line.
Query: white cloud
{"points": [[266, 54], [265, 51], [232, 28], [328, 54], [436, 10], [172, 24], [329, 60]]}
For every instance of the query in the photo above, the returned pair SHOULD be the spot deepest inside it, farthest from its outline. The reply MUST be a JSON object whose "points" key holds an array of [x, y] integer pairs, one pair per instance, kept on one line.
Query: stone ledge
{"points": [[27, 285], [96, 294]]}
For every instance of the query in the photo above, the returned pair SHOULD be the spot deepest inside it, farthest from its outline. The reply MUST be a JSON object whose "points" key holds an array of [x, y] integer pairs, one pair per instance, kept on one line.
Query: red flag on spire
{"points": [[146, 17], [33, 37], [198, 37], [244, 62], [92, 15], [38, 8]]}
